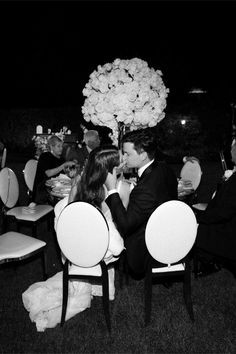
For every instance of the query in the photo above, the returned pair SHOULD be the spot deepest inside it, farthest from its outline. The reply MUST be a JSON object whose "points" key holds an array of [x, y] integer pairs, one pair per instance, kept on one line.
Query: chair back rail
{"points": [[4, 157], [9, 187], [29, 173]]}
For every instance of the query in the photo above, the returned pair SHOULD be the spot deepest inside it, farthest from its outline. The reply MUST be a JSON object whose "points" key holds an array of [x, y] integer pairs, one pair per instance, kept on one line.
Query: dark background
{"points": [[49, 49]]}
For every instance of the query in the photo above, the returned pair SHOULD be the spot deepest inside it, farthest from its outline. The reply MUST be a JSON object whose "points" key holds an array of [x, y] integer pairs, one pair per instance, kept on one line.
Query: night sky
{"points": [[49, 49]]}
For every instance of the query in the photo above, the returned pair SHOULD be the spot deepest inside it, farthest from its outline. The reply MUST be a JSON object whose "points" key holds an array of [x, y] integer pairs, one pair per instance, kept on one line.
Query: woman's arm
{"points": [[54, 171], [73, 190], [116, 242]]}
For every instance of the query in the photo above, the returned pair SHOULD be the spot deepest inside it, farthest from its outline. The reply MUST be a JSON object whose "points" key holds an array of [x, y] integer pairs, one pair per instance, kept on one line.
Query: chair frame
{"points": [[29, 223], [100, 279], [123, 269], [8, 219], [170, 261], [4, 157], [185, 275], [29, 191]]}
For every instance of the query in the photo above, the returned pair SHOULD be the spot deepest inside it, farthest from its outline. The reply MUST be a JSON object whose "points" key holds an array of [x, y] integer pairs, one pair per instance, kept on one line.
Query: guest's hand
{"points": [[121, 167], [75, 180], [69, 164], [111, 180]]}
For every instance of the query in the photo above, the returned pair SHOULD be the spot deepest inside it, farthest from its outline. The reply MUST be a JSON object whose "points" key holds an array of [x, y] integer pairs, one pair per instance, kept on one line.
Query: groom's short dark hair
{"points": [[143, 140]]}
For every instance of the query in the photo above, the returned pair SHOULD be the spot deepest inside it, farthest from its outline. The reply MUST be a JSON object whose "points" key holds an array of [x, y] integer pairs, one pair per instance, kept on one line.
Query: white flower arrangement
{"points": [[126, 92]]}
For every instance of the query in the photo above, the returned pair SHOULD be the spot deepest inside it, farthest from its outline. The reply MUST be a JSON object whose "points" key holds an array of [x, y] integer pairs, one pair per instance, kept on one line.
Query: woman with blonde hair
{"points": [[50, 164]]}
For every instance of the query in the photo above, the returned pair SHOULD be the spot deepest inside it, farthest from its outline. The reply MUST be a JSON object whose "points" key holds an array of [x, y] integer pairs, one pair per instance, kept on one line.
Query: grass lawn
{"points": [[170, 330]]}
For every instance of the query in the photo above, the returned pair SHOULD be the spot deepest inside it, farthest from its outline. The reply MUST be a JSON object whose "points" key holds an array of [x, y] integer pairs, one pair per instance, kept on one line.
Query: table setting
{"points": [[59, 186]]}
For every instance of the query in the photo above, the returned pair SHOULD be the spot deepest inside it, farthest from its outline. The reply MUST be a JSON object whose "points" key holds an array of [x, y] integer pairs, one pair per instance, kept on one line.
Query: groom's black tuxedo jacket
{"points": [[157, 185]]}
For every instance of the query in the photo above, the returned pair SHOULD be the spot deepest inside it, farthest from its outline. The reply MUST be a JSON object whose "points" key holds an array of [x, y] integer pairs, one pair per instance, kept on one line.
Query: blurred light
{"points": [[183, 121], [196, 90]]}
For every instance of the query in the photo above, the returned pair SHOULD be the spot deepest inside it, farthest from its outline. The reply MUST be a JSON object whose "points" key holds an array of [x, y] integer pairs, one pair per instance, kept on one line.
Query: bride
{"points": [[43, 300]]}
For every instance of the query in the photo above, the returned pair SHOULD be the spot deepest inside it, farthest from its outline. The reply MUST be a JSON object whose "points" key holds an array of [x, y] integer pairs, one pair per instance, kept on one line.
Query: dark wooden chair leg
{"points": [[44, 264], [34, 230], [187, 290], [50, 222], [195, 264], [148, 294], [105, 295], [57, 248], [18, 226], [123, 270], [4, 223], [65, 281]]}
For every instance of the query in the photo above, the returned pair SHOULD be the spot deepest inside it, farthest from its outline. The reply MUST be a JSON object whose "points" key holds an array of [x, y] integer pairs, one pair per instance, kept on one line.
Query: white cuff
{"points": [[112, 191]]}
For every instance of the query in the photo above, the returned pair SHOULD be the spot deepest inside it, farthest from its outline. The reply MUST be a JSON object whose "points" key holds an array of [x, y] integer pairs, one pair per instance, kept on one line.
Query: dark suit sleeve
{"points": [[223, 206], [139, 209], [144, 199]]}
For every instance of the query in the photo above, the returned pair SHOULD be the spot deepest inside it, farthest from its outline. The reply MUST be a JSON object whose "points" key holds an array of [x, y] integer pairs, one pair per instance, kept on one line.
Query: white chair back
{"points": [[4, 157], [171, 232], [191, 171], [9, 187], [29, 173], [82, 234]]}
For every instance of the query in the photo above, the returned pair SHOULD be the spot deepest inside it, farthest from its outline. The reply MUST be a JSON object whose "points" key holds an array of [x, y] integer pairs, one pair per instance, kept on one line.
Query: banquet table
{"points": [[59, 187]]}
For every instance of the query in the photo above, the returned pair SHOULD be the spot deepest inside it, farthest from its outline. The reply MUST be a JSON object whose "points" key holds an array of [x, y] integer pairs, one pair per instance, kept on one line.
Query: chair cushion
{"points": [[30, 214], [16, 245], [200, 206], [172, 268], [91, 271]]}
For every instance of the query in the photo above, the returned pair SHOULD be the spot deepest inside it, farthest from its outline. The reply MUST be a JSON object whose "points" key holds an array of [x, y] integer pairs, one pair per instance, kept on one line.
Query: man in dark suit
{"points": [[216, 237], [157, 184], [80, 155]]}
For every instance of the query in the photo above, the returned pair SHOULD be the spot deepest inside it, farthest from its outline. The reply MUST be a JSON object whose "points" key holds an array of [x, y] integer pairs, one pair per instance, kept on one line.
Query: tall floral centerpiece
{"points": [[125, 93]]}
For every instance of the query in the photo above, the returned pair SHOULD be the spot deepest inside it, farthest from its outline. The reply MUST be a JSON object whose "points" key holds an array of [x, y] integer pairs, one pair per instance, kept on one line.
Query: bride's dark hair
{"points": [[101, 160]]}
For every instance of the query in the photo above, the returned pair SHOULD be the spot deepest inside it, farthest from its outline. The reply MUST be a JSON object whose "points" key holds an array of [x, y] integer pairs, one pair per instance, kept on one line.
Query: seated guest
{"points": [[216, 241], [43, 300], [50, 164], [80, 155], [157, 184]]}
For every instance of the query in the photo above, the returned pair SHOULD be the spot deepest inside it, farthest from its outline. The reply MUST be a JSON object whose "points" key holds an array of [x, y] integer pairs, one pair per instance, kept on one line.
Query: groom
{"points": [[157, 184]]}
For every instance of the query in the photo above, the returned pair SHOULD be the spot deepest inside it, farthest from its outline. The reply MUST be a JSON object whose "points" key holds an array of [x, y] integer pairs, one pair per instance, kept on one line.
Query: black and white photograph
{"points": [[117, 177]]}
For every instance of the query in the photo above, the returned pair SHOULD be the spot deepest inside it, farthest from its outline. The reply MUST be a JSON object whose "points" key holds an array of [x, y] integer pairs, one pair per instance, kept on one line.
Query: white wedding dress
{"points": [[43, 300]]}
